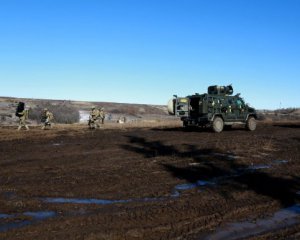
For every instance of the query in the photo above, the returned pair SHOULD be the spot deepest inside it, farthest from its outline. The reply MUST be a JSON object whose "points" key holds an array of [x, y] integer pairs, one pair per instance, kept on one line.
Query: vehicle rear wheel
{"points": [[251, 124], [218, 124]]}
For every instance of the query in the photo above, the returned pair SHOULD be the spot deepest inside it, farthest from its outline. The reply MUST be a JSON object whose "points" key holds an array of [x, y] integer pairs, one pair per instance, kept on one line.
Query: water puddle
{"points": [[188, 186], [84, 201], [175, 194], [281, 219], [224, 155], [280, 161], [258, 166], [13, 225], [40, 215], [101, 201], [266, 166], [2, 215], [29, 218], [227, 156]]}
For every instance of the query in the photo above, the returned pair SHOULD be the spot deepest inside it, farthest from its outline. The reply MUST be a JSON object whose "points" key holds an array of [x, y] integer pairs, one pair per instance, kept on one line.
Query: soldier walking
{"points": [[93, 118], [102, 115], [22, 114], [47, 118]]}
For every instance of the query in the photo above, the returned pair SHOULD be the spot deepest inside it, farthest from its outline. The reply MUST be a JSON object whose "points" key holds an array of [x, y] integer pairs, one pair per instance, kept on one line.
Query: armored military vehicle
{"points": [[216, 109]]}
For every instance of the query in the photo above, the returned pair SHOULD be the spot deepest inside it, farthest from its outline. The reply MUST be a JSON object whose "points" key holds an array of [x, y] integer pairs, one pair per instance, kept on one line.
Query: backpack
{"points": [[20, 108]]}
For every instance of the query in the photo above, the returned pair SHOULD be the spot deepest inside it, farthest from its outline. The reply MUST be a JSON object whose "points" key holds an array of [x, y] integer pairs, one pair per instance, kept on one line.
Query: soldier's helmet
{"points": [[102, 109], [45, 109]]}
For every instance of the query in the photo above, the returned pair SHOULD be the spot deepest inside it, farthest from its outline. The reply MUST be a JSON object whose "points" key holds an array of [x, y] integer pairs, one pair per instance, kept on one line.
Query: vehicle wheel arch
{"points": [[217, 115], [251, 115]]}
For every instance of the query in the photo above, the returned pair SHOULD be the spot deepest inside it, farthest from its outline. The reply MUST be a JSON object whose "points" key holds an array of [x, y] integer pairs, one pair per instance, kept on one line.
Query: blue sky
{"points": [[139, 51]]}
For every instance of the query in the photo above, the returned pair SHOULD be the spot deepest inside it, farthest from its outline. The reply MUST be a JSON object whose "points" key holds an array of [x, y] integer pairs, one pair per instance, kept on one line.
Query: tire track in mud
{"points": [[189, 219]]}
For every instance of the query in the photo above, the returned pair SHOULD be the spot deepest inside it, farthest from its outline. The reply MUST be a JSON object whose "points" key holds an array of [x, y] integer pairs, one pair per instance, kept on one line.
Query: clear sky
{"points": [[139, 51]]}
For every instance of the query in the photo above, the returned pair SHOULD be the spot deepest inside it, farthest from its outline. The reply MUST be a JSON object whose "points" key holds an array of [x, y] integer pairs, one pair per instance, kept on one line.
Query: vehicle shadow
{"points": [[213, 164]]}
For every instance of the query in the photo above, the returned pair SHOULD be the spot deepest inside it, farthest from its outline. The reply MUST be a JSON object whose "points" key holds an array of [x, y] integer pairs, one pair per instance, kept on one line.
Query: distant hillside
{"points": [[114, 111], [284, 114]]}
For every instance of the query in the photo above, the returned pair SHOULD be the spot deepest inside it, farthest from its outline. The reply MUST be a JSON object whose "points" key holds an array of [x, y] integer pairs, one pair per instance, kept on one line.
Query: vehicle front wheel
{"points": [[218, 124], [251, 124]]}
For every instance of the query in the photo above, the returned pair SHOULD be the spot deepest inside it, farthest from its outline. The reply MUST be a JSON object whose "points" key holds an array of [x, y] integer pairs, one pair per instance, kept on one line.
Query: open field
{"points": [[150, 181]]}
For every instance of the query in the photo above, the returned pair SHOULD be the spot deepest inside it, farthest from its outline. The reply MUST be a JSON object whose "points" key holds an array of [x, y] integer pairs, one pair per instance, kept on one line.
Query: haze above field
{"points": [[145, 51]]}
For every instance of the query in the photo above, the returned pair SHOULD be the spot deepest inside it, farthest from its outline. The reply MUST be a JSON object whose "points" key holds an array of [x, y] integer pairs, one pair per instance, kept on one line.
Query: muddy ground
{"points": [[150, 183]]}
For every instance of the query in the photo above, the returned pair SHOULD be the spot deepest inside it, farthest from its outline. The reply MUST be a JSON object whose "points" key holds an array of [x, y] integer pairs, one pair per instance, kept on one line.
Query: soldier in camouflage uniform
{"points": [[23, 116], [94, 118], [47, 118], [102, 115]]}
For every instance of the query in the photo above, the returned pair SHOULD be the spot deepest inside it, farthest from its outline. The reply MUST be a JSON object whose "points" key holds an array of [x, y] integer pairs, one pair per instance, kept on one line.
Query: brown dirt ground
{"points": [[143, 164]]}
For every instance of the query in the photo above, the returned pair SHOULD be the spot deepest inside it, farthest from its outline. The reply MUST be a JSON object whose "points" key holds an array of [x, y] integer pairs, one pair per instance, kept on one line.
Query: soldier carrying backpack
{"points": [[22, 114]]}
